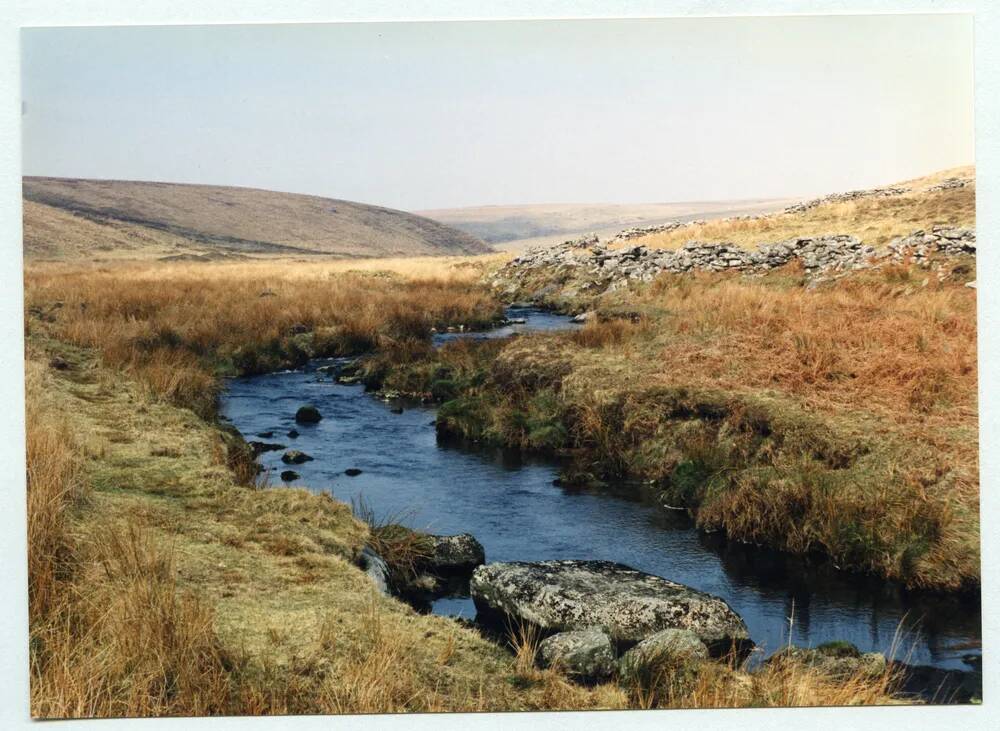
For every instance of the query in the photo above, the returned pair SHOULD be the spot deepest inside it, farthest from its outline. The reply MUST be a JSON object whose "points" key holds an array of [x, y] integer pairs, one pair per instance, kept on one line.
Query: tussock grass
{"points": [[784, 685], [840, 419], [176, 328]]}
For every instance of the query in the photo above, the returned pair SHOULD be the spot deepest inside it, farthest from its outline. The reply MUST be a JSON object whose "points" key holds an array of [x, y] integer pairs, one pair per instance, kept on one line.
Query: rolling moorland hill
{"points": [[67, 218]]}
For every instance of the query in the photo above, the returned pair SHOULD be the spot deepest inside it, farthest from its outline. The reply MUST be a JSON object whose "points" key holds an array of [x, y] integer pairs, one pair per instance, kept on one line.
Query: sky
{"points": [[441, 115]]}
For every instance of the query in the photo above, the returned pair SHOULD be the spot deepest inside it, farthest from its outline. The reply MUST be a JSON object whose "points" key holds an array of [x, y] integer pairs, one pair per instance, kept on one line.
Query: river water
{"points": [[509, 502]]}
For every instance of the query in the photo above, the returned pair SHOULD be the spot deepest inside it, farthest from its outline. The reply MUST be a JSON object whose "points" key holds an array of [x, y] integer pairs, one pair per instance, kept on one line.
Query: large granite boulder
{"points": [[584, 654], [629, 605]]}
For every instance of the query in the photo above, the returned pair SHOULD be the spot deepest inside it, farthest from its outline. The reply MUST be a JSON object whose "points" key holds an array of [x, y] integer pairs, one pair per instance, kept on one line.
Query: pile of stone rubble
{"points": [[601, 267], [949, 183], [848, 196], [639, 231], [939, 240]]}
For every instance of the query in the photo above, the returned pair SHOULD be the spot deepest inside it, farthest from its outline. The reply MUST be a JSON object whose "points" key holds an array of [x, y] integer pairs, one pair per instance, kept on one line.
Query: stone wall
{"points": [[848, 196], [600, 268]]}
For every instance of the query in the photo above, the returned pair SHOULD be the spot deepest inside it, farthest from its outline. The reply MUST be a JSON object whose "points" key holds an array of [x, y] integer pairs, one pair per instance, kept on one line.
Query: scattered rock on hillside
{"points": [[628, 605], [308, 414], [584, 654], [949, 183], [294, 456], [59, 363]]}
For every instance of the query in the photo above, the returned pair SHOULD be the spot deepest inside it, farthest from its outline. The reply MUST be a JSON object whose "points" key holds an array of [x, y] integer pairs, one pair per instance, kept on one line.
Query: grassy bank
{"points": [[249, 600], [839, 420]]}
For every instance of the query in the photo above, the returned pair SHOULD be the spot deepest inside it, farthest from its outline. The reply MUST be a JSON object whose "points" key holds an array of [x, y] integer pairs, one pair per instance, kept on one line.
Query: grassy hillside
{"points": [[68, 218], [517, 227], [874, 220]]}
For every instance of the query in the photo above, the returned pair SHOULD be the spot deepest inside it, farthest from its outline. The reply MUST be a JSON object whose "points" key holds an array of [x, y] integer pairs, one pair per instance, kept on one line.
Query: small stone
{"points": [[289, 475], [294, 456], [352, 472]]}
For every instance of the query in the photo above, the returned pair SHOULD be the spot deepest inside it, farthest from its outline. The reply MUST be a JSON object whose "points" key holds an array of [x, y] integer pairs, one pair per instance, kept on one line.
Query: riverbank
{"points": [[253, 601], [744, 402]]}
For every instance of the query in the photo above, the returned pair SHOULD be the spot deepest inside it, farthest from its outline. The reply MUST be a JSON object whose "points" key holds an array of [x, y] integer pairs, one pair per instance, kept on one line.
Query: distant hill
{"points": [[516, 227], [67, 218]]}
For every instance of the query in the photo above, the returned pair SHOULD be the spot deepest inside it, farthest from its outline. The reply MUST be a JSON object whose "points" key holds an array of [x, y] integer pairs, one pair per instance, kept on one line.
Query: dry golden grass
{"points": [[839, 419], [886, 362], [245, 600], [776, 685], [55, 486], [177, 592], [177, 327], [876, 221]]}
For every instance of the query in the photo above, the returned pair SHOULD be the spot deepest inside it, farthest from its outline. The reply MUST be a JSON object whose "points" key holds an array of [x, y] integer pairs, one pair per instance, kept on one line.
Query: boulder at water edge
{"points": [[584, 654], [458, 554], [669, 646], [629, 605]]}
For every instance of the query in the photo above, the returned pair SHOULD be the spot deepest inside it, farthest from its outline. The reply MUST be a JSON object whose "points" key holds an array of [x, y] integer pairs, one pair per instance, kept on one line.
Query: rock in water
{"points": [[586, 654], [294, 456], [308, 414], [628, 605], [289, 475]]}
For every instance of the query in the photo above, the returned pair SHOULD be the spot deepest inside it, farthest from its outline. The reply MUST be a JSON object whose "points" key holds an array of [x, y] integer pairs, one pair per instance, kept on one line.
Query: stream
{"points": [[509, 502]]}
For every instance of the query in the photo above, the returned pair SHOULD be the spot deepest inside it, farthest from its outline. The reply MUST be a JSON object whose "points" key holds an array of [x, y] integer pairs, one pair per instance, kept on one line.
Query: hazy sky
{"points": [[425, 115]]}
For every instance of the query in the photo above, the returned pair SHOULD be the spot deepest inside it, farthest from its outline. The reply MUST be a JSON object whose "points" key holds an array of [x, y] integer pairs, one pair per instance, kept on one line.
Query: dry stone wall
{"points": [[599, 267]]}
